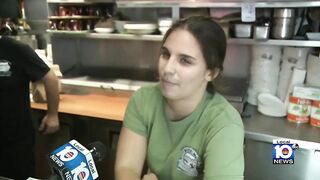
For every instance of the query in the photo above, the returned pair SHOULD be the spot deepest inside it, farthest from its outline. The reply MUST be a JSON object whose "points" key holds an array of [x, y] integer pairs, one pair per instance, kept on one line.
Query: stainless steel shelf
{"points": [[86, 34], [80, 1], [301, 43], [215, 3]]}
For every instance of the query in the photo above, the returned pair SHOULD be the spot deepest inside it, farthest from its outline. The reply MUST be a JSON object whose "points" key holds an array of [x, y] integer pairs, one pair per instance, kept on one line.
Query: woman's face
{"points": [[182, 68]]}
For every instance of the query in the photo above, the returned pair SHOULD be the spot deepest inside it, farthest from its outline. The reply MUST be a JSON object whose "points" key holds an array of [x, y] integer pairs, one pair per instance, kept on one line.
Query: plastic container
{"points": [[243, 30], [261, 32]]}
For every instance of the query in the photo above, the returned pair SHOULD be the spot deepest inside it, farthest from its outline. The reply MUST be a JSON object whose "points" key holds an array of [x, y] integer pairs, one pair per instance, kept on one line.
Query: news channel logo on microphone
{"points": [[74, 162], [283, 151]]}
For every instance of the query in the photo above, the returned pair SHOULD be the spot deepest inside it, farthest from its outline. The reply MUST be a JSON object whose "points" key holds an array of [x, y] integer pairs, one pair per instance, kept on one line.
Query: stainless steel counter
{"points": [[265, 128], [261, 130]]}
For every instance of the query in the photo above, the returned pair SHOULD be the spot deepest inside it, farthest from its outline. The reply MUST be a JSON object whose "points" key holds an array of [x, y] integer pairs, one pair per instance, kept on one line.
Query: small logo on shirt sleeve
{"points": [[5, 68]]}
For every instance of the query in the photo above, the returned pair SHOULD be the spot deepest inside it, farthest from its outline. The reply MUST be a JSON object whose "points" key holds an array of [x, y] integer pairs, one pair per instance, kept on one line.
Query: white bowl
{"points": [[271, 105], [103, 30], [140, 28]]}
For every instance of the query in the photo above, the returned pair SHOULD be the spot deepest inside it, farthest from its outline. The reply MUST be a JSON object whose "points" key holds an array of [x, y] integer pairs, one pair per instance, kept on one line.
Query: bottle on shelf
{"points": [[23, 26]]}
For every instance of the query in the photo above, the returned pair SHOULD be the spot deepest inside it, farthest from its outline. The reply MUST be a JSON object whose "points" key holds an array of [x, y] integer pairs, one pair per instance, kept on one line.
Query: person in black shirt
{"points": [[20, 65]]}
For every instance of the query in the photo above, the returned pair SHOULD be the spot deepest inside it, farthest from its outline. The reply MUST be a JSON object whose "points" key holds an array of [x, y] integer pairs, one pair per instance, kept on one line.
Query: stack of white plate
{"points": [[140, 28]]}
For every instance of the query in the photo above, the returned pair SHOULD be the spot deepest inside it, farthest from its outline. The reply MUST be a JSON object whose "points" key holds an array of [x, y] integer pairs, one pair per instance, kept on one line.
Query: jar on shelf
{"points": [[315, 114], [63, 11], [75, 25], [299, 110]]}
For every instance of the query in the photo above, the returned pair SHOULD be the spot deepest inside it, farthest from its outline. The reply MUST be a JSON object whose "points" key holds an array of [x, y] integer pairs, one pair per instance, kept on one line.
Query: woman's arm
{"points": [[224, 158], [131, 154]]}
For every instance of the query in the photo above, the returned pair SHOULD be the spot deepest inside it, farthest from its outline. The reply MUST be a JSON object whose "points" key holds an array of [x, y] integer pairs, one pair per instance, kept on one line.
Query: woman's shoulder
{"points": [[148, 90], [147, 95], [221, 111]]}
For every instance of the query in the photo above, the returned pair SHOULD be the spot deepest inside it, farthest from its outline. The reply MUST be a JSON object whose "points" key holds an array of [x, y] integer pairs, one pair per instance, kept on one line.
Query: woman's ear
{"points": [[212, 74], [216, 72]]}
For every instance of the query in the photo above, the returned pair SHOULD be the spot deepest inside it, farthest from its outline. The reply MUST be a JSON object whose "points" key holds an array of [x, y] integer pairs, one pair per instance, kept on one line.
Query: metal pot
{"points": [[284, 13], [283, 28], [283, 23]]}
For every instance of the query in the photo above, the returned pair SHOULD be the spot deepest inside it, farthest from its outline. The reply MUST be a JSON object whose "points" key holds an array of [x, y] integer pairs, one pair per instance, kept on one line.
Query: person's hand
{"points": [[49, 124], [150, 176]]}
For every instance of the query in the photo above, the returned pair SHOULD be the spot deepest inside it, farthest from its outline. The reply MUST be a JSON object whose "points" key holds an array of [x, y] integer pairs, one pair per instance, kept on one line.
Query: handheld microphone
{"points": [[72, 161]]}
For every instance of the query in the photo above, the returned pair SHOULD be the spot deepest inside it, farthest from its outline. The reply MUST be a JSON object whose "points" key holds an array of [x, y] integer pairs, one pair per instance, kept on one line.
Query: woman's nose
{"points": [[170, 66]]}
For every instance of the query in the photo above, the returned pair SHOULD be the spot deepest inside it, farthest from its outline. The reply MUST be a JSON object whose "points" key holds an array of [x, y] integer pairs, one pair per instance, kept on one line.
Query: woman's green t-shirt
{"points": [[207, 144]]}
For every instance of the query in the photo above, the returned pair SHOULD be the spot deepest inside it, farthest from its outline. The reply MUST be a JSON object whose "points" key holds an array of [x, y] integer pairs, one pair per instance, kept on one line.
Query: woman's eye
{"points": [[165, 55], [184, 60]]}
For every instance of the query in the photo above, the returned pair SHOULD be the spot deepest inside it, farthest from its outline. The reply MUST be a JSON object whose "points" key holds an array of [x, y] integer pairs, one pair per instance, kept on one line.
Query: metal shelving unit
{"points": [[80, 1], [175, 5], [88, 34], [277, 42], [215, 3], [94, 35]]}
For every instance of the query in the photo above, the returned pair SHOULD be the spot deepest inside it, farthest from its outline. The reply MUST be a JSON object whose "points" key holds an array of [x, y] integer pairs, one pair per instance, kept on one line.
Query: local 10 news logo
{"points": [[283, 151], [74, 162]]}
